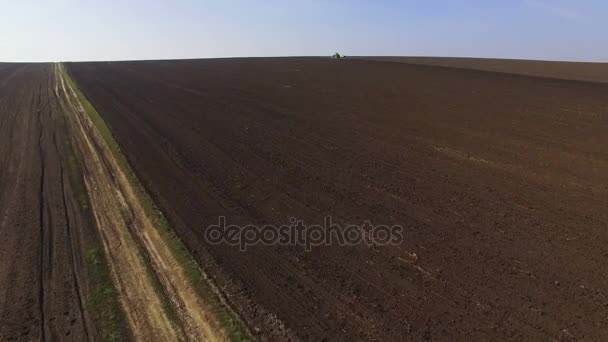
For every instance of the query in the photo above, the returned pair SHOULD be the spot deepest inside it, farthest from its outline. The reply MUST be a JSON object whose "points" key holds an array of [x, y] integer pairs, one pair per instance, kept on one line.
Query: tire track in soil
{"points": [[131, 239], [73, 242], [41, 289], [41, 249], [63, 313]]}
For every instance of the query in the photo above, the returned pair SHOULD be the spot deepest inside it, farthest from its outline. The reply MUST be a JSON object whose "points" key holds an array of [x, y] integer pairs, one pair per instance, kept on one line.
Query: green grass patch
{"points": [[226, 318], [109, 317]]}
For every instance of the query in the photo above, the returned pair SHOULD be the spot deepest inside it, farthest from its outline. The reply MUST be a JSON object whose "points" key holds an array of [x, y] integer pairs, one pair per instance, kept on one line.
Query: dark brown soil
{"points": [[581, 71], [500, 181], [43, 282]]}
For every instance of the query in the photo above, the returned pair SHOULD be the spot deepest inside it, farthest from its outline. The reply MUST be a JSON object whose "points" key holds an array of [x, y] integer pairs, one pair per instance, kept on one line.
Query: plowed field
{"points": [[43, 281], [499, 181]]}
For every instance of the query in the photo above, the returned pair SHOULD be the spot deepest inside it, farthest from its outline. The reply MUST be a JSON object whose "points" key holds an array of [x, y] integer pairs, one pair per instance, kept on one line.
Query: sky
{"points": [[81, 30]]}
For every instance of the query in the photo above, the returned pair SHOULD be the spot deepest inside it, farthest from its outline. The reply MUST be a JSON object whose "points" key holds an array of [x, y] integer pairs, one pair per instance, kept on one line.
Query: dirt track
{"points": [[43, 283], [499, 180], [131, 241]]}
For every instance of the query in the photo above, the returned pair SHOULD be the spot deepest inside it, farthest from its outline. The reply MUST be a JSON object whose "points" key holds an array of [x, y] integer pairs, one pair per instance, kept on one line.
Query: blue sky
{"points": [[62, 30]]}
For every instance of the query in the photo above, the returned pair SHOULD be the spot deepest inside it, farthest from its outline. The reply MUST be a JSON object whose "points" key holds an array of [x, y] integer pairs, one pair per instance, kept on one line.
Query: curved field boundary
{"points": [[573, 71], [194, 301]]}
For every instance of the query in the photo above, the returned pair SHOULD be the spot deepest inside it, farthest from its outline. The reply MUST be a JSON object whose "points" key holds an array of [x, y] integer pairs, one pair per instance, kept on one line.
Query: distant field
{"points": [[592, 72]]}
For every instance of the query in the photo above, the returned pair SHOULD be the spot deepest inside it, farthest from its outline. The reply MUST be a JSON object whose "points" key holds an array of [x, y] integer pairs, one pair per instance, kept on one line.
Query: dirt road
{"points": [[498, 179], [159, 300]]}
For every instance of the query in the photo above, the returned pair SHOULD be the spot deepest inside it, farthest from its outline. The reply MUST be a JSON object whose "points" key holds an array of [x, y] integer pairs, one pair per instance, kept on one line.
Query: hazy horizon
{"points": [[72, 30]]}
